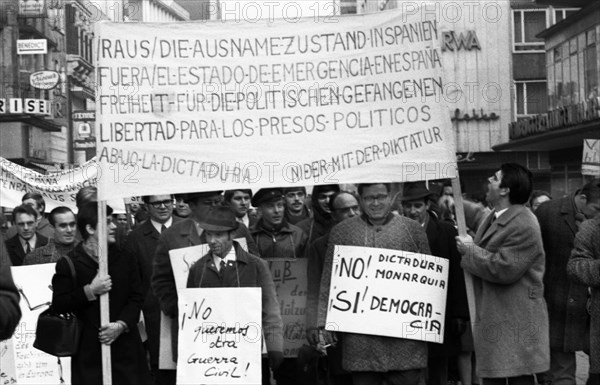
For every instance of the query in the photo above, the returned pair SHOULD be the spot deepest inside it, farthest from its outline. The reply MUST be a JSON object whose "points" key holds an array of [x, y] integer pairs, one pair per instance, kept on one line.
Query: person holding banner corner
{"points": [[507, 261], [375, 360], [228, 265]]}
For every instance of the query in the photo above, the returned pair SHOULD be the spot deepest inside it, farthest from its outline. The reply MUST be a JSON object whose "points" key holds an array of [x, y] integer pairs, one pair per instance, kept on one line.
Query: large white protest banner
{"points": [[21, 363], [219, 336], [220, 106], [291, 283], [388, 293], [58, 187], [590, 164]]}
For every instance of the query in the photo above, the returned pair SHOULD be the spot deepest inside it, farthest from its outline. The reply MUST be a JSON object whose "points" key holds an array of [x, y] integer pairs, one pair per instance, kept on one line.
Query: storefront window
{"points": [[527, 23], [591, 72]]}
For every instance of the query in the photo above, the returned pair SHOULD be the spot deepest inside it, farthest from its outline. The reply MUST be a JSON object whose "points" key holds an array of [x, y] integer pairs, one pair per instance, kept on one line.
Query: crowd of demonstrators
{"points": [[517, 251]]}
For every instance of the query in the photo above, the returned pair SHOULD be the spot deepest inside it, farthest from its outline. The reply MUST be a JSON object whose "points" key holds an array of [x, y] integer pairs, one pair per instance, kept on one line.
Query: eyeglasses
{"points": [[212, 202], [372, 198], [157, 204]]}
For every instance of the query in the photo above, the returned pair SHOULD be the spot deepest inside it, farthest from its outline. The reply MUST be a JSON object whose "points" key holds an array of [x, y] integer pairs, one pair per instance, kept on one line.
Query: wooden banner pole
{"points": [[104, 301], [462, 230]]}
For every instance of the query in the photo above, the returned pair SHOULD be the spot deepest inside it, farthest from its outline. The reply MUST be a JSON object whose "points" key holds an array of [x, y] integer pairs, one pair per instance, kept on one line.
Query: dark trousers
{"points": [[163, 377], [520, 380], [394, 377], [287, 373]]}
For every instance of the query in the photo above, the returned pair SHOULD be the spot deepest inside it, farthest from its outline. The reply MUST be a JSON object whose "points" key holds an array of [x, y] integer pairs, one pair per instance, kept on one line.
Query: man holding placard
{"points": [[228, 265], [374, 359], [507, 262]]}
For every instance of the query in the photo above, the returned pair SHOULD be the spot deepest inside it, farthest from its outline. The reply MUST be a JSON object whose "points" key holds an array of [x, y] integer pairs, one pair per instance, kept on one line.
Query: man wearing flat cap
{"points": [[441, 237], [228, 265], [274, 236], [185, 233]]}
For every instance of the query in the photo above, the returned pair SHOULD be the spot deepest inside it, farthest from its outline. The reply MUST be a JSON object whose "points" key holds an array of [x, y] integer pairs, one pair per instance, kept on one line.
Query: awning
{"points": [[556, 139], [44, 124]]}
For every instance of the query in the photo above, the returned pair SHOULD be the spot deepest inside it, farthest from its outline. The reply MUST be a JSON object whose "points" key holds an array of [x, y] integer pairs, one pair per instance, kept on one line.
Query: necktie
{"points": [[222, 269], [163, 228], [28, 248]]}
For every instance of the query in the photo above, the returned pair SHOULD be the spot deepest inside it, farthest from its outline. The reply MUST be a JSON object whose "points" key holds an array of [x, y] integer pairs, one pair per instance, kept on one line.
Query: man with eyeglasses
{"points": [[27, 238], [64, 240], [141, 244], [295, 209], [375, 360], [343, 205], [35, 200], [185, 233], [322, 220]]}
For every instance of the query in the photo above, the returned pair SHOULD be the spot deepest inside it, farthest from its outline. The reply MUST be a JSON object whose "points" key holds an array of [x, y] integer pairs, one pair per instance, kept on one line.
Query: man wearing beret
{"points": [[185, 233], [228, 265], [276, 238]]}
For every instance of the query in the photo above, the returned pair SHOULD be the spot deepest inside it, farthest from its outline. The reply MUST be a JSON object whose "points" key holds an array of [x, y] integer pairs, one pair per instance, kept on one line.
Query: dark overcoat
{"points": [[128, 358], [566, 299], [141, 244], [15, 249]]}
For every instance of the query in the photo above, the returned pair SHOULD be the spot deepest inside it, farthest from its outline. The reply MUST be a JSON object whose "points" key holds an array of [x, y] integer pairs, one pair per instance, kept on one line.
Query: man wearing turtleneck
{"points": [[62, 219], [322, 221]]}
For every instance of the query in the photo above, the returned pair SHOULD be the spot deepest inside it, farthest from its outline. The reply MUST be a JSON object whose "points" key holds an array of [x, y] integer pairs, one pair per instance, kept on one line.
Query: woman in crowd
{"points": [[81, 297]]}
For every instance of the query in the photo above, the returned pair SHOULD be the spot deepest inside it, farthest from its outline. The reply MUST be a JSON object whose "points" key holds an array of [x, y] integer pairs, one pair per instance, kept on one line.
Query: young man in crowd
{"points": [[64, 240]]}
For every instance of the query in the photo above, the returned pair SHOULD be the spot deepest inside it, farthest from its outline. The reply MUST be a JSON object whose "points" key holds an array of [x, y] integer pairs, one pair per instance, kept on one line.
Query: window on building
{"points": [[590, 65], [531, 97], [527, 23]]}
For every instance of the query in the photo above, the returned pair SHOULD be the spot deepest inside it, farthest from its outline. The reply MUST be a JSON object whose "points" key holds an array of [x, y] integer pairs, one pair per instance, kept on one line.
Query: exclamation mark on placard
{"points": [[247, 367], [368, 264], [364, 296]]}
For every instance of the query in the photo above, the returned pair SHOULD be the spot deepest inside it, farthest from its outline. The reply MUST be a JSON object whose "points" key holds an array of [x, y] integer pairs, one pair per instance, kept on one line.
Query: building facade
{"points": [[570, 111]]}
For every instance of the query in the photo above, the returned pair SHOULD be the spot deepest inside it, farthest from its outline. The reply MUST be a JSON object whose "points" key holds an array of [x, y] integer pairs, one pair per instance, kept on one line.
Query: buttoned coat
{"points": [[287, 242], [180, 235], [584, 268], [361, 352], [141, 244], [511, 326], [246, 271], [49, 253], [15, 249], [569, 320]]}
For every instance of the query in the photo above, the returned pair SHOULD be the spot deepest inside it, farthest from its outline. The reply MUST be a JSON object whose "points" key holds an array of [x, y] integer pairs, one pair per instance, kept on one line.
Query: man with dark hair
{"points": [[375, 360], [322, 220], [274, 236], [27, 238], [441, 236], [141, 244], [559, 221], [228, 265], [183, 234], [343, 205], [239, 201], [64, 240], [295, 209], [506, 259], [36, 201]]}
